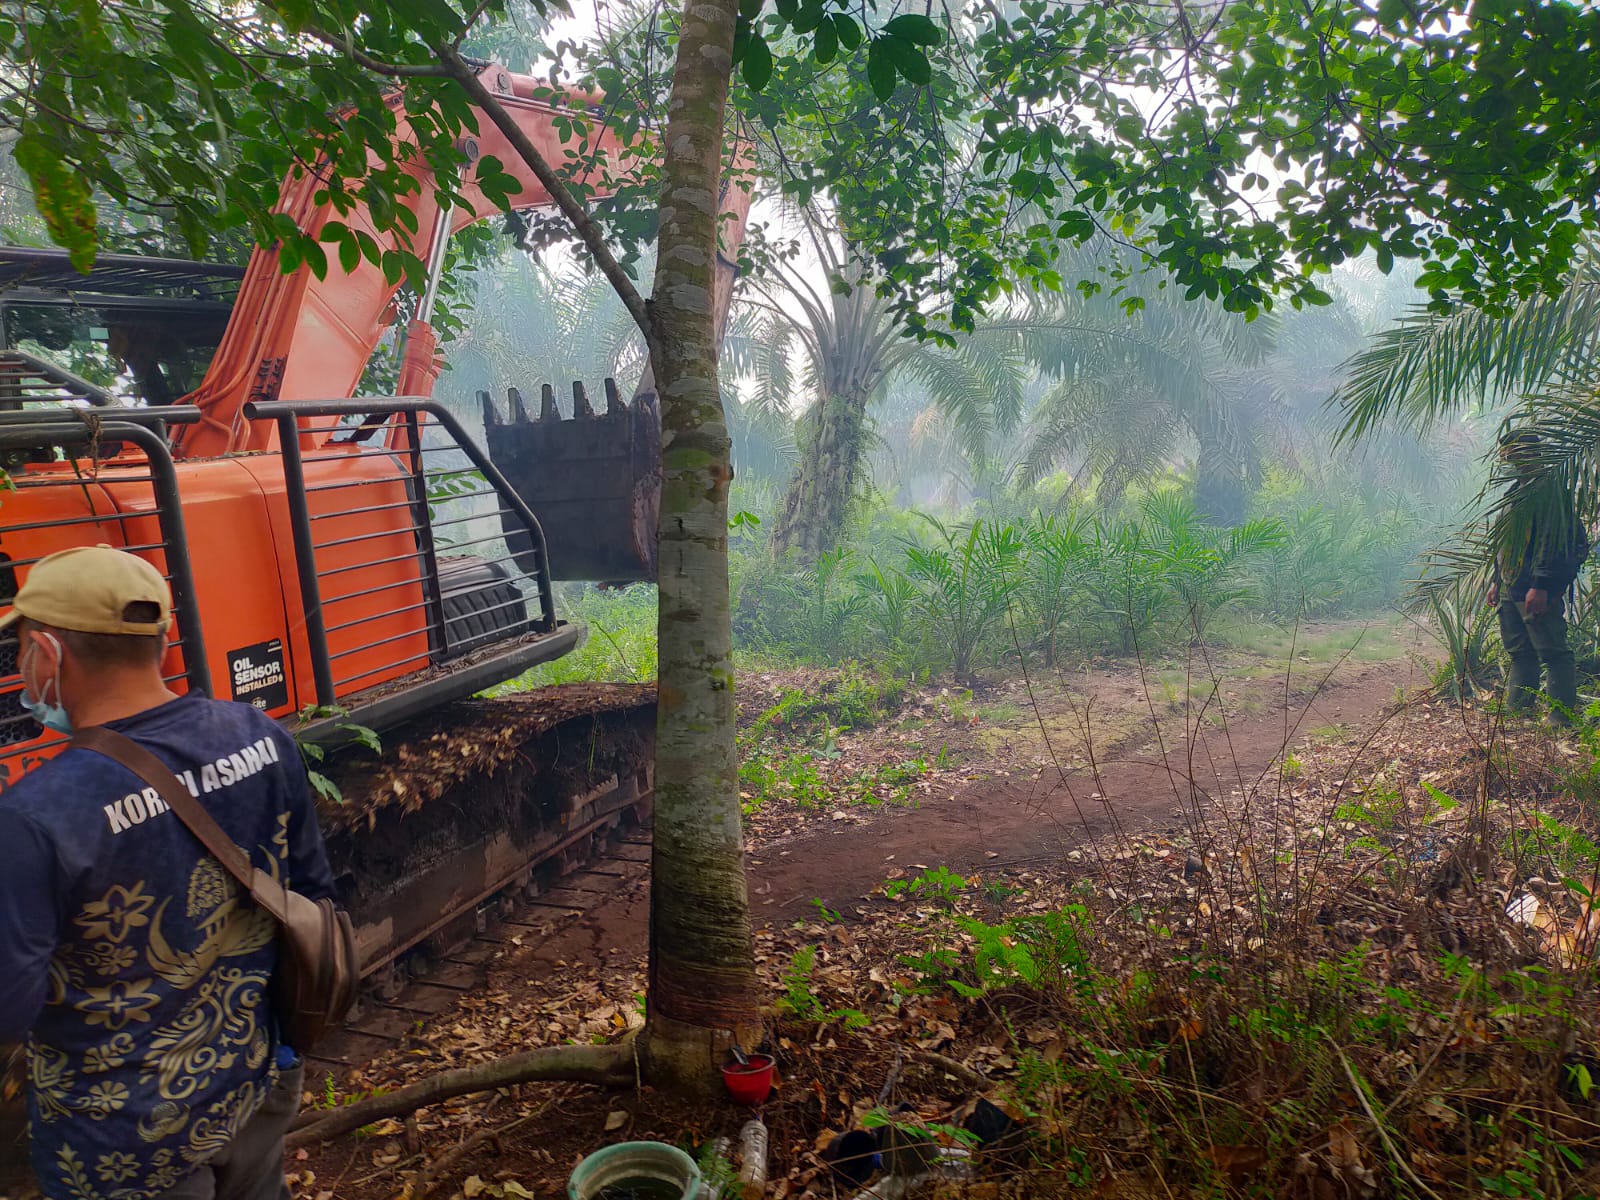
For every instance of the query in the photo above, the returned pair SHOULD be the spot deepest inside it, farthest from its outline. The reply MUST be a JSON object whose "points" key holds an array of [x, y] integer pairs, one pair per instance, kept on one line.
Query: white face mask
{"points": [[51, 716]]}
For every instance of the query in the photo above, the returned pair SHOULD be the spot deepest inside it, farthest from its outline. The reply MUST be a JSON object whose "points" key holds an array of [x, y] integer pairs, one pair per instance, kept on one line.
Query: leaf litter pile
{"points": [[1367, 973]]}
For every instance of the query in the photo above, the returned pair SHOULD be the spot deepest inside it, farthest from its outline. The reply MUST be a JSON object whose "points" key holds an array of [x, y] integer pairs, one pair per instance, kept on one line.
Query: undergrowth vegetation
{"points": [[790, 754], [1070, 579], [620, 646], [946, 596], [920, 595], [1348, 981]]}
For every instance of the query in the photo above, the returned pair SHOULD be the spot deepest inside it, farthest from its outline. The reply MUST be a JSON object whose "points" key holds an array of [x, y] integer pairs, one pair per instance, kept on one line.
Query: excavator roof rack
{"points": [[27, 379], [51, 270]]}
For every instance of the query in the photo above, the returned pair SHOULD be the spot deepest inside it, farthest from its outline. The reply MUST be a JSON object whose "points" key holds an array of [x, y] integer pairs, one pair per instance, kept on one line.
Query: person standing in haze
{"points": [[132, 963], [1530, 605]]}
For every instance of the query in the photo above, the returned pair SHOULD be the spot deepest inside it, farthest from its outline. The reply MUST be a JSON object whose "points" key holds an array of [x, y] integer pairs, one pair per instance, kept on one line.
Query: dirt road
{"points": [[1149, 777], [1029, 793]]}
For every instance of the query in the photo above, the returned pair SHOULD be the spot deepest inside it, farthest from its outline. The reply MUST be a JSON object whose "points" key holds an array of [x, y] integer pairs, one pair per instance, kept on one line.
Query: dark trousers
{"points": [[251, 1166], [1534, 643]]}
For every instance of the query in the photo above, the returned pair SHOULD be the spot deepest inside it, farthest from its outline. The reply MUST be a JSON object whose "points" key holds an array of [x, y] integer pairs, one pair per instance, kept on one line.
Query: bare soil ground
{"points": [[1070, 758], [1025, 786]]}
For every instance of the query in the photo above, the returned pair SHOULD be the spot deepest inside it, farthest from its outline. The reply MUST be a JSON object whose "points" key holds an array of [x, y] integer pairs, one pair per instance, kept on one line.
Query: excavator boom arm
{"points": [[297, 337]]}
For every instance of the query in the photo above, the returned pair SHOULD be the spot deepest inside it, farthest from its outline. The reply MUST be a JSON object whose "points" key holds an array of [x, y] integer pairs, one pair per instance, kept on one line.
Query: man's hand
{"points": [[1494, 595], [1537, 602]]}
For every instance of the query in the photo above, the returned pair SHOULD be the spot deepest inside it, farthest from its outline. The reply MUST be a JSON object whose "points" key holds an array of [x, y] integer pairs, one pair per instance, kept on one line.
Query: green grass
{"points": [[1177, 688], [1248, 704], [807, 779], [620, 647], [1381, 638], [1001, 714]]}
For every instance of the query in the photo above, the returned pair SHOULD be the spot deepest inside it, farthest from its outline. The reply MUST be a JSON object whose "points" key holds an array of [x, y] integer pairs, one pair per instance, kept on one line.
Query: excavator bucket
{"points": [[593, 479]]}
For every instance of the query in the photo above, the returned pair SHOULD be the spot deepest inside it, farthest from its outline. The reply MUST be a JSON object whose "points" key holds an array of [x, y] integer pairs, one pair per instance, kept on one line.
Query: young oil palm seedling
{"points": [[1206, 568], [831, 607], [966, 582], [888, 606], [1583, 623], [1467, 633], [1126, 592], [1050, 588]]}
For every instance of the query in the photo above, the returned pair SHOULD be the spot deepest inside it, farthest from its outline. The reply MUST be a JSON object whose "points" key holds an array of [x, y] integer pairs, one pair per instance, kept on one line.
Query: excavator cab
{"points": [[134, 330], [334, 581]]}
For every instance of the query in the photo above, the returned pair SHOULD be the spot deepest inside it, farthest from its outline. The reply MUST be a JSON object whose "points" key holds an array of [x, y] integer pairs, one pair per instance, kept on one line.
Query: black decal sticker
{"points": [[258, 675]]}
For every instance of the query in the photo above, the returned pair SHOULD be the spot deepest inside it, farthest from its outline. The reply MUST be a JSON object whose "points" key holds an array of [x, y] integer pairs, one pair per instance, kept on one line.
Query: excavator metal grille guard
{"points": [[66, 429], [474, 607]]}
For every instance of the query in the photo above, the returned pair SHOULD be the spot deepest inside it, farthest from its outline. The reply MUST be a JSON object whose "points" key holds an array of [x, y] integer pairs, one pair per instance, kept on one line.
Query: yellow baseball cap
{"points": [[87, 589]]}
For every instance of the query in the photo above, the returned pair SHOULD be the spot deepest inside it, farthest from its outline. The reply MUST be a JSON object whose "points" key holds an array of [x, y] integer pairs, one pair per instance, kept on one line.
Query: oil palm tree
{"points": [[928, 453], [851, 344], [1309, 359], [758, 369], [1128, 391], [1145, 379], [1131, 380]]}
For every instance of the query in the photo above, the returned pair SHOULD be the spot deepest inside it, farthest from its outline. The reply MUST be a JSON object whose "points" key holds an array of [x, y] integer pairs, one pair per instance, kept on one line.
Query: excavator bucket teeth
{"points": [[592, 479]]}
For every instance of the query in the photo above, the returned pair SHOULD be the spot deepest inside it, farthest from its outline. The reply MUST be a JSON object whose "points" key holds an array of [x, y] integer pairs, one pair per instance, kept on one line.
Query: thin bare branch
{"points": [[590, 233]]}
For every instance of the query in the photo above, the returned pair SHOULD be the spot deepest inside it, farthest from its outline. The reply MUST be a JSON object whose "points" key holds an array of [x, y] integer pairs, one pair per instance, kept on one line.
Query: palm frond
{"points": [[1116, 435], [977, 386], [1429, 364]]}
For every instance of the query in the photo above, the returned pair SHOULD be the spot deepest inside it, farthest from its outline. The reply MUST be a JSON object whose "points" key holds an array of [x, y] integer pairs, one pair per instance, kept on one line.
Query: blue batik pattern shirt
{"points": [[136, 967]]}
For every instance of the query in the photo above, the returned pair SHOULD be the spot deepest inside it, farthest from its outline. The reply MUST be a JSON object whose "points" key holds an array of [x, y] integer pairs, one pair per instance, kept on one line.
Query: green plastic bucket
{"points": [[643, 1169]]}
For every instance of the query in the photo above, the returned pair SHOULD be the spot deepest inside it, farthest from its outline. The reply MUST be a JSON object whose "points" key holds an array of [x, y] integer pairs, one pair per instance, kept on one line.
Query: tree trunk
{"points": [[1218, 484], [817, 503], [702, 960]]}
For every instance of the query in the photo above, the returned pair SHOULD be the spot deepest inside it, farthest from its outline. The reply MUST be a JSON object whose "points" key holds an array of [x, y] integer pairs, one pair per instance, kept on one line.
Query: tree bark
{"points": [[703, 989], [817, 503]]}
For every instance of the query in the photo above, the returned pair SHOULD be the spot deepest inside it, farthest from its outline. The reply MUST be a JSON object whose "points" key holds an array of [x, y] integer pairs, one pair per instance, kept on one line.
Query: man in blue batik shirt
{"points": [[130, 961]]}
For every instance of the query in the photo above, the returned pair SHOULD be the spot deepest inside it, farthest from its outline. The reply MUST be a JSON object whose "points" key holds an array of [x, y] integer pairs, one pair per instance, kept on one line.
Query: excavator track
{"points": [[399, 1006], [483, 798]]}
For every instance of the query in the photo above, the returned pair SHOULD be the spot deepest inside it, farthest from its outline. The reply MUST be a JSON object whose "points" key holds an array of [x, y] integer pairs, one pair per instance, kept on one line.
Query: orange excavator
{"points": [[351, 564]]}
